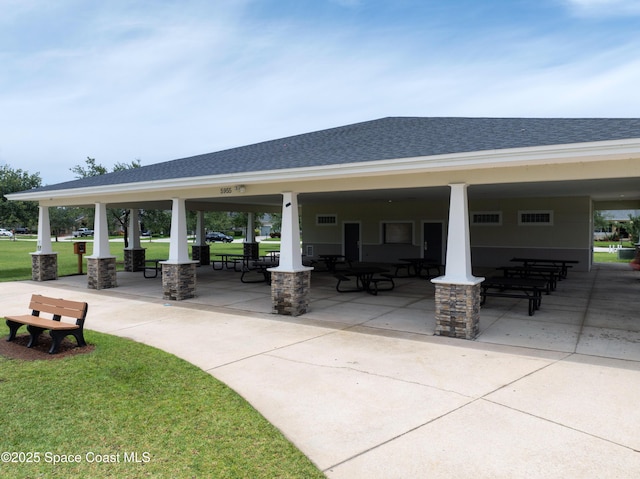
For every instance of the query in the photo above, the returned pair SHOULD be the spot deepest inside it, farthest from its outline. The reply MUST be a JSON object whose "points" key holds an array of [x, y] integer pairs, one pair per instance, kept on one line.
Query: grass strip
{"points": [[128, 410], [15, 258]]}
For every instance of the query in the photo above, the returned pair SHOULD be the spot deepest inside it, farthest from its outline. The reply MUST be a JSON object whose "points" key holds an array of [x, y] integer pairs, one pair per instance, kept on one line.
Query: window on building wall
{"points": [[326, 220], [397, 233], [486, 218], [535, 218]]}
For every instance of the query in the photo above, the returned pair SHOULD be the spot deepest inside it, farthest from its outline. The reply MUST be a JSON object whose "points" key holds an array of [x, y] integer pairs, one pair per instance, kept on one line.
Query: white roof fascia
{"points": [[556, 154]]}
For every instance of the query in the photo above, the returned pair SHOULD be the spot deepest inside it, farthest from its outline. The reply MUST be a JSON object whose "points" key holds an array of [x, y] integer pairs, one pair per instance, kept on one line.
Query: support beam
{"points": [[44, 231], [290, 280], [458, 265], [134, 229], [251, 247], [178, 246], [251, 228], [200, 250], [178, 272], [44, 262], [100, 233], [290, 249], [458, 291], [101, 265], [200, 230], [134, 253]]}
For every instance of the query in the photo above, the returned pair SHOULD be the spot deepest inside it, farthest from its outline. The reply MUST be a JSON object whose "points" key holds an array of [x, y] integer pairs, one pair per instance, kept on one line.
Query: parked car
{"points": [[216, 236], [4, 232], [21, 231], [82, 232]]}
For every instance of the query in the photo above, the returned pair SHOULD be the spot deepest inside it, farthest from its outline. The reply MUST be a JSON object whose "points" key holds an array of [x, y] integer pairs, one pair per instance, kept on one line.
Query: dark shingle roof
{"points": [[383, 139]]}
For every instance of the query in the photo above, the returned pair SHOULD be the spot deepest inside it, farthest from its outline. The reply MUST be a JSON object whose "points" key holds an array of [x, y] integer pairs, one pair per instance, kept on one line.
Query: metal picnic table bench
{"points": [[260, 267], [564, 264], [519, 288], [548, 273], [152, 267], [418, 265], [232, 260], [366, 279]]}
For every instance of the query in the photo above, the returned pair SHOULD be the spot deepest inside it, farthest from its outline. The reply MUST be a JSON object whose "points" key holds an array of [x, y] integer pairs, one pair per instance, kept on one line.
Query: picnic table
{"points": [[564, 264], [368, 279], [550, 273], [517, 288], [152, 267], [232, 260], [331, 260], [418, 265], [259, 267]]}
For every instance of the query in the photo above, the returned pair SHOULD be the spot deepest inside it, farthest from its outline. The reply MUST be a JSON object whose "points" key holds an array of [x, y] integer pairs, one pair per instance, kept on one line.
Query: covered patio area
{"points": [[592, 313]]}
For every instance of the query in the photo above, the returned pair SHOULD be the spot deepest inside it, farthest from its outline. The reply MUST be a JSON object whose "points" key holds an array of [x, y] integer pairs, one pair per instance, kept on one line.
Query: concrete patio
{"points": [[364, 389]]}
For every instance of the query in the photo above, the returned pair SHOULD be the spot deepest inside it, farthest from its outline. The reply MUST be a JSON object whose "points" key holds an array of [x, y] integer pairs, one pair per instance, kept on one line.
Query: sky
{"points": [[152, 81]]}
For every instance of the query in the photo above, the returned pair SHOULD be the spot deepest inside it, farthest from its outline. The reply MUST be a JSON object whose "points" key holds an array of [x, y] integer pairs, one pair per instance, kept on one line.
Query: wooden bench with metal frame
{"points": [[57, 308]]}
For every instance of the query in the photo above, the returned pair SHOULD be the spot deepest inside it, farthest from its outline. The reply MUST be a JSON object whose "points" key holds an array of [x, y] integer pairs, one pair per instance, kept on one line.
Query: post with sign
{"points": [[80, 248]]}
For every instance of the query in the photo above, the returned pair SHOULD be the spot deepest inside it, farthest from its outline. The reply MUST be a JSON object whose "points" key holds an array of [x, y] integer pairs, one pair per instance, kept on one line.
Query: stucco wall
{"points": [[327, 239], [568, 237]]}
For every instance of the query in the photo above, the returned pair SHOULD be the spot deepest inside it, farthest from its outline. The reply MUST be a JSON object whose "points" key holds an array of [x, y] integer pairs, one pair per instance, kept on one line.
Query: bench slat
{"points": [[61, 307], [44, 323]]}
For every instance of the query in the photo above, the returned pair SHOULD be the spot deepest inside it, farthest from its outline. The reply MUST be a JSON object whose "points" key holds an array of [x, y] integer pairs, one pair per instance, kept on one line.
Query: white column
{"points": [[290, 249], [134, 229], [458, 267], [250, 236], [200, 233], [100, 233], [178, 247], [44, 231]]}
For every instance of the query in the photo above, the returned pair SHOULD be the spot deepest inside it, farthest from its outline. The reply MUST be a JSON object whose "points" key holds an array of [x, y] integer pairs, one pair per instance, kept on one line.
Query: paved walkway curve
{"points": [[365, 402]]}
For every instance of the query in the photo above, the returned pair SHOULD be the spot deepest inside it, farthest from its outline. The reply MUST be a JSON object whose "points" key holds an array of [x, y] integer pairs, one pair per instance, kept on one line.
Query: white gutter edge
{"points": [[591, 151]]}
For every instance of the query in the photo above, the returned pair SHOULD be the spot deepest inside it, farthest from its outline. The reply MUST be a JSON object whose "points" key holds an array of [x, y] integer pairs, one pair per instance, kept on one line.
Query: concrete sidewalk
{"points": [[367, 401]]}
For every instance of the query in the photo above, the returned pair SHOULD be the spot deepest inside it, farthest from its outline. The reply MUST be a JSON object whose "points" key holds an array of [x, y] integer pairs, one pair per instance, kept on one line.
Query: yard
{"points": [[15, 261], [112, 412]]}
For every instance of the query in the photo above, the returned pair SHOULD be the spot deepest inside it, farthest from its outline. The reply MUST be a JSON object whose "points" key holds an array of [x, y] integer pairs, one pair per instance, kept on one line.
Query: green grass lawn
{"points": [[150, 413], [126, 401], [15, 260], [606, 257]]}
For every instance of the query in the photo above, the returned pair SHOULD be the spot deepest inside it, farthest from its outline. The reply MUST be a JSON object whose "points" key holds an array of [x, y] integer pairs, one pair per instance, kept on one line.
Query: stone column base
{"points": [[178, 281], [101, 273], [201, 254], [290, 292], [134, 259], [252, 250], [457, 310], [44, 267]]}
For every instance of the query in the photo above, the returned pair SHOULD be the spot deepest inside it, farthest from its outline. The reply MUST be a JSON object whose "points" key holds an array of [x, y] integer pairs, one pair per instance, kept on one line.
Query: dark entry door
{"points": [[352, 241], [432, 234]]}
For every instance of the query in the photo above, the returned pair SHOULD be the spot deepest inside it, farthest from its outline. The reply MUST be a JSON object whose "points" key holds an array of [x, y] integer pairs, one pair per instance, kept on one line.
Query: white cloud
{"points": [[181, 82]]}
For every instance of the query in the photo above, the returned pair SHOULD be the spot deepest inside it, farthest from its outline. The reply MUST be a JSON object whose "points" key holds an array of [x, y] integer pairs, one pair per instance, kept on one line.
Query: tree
{"points": [[634, 228], [62, 219], [92, 168], [600, 221], [17, 213], [156, 221]]}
